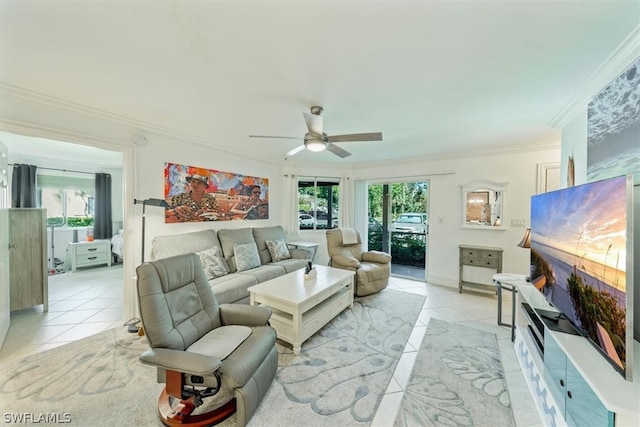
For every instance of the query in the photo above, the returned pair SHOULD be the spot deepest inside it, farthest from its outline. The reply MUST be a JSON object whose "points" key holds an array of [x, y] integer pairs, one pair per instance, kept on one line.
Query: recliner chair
{"points": [[202, 349], [372, 268]]}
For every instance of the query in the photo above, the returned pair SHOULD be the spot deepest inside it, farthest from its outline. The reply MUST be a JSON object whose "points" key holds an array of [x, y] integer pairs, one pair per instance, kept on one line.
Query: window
{"points": [[318, 203], [67, 198]]}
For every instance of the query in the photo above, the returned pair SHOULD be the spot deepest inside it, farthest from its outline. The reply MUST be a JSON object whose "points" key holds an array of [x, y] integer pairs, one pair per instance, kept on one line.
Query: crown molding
{"points": [[58, 134], [616, 63], [505, 150], [137, 127]]}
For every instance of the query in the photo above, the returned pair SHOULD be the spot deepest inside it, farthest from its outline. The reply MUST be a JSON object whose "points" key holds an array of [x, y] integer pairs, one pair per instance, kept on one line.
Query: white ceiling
{"points": [[433, 77]]}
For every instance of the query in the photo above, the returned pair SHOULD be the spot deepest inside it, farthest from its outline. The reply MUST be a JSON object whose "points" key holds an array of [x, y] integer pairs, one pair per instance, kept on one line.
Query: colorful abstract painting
{"points": [[613, 128], [199, 194]]}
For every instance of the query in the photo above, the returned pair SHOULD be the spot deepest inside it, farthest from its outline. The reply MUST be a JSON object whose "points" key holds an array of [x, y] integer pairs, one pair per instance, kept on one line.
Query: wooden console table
{"points": [[479, 256]]}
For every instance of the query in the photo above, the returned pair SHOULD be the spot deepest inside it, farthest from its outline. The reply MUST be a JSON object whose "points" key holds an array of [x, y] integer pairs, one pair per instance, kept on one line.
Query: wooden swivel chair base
{"points": [[176, 410]]}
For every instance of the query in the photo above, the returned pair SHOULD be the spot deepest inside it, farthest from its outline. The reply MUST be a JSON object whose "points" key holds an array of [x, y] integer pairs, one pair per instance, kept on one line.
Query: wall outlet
{"points": [[518, 223]]}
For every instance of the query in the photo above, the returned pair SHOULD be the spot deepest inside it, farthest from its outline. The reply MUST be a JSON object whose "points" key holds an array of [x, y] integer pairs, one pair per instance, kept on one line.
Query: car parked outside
{"points": [[322, 219], [374, 224], [410, 222], [306, 221]]}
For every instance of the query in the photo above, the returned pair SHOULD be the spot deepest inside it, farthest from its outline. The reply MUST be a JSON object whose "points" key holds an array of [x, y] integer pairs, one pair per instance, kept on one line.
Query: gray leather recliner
{"points": [[202, 349], [372, 268]]}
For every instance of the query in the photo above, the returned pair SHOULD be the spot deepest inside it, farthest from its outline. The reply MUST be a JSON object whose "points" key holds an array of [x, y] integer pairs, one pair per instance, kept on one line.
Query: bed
{"points": [[117, 243]]}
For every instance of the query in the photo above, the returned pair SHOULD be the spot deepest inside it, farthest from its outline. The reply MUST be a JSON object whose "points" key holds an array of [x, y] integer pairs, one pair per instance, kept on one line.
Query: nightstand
{"points": [[87, 254]]}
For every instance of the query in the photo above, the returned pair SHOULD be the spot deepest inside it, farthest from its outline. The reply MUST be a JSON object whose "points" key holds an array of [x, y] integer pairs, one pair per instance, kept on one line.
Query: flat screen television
{"points": [[582, 261]]}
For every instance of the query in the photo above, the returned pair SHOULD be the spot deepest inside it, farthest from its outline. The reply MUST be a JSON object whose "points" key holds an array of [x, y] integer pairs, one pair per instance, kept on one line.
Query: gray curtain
{"points": [[102, 222], [23, 186]]}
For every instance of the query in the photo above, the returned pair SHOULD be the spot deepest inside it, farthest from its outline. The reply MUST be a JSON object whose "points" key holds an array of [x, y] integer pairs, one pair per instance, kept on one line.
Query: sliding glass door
{"points": [[398, 224]]}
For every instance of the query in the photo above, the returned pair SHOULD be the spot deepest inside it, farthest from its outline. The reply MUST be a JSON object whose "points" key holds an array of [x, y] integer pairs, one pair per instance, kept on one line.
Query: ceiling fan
{"points": [[316, 140]]}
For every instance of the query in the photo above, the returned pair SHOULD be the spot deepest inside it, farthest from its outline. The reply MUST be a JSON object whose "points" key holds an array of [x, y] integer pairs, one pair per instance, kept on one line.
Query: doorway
{"points": [[57, 155], [398, 224]]}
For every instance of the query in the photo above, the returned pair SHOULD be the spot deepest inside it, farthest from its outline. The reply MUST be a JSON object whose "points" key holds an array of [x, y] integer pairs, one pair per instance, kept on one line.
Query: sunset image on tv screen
{"points": [[578, 258]]}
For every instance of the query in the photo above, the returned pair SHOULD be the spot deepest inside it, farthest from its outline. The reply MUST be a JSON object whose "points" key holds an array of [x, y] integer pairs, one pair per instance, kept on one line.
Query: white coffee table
{"points": [[301, 307]]}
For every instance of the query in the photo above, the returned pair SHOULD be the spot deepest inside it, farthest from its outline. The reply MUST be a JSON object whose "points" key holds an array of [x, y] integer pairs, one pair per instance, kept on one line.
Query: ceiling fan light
{"points": [[316, 145]]}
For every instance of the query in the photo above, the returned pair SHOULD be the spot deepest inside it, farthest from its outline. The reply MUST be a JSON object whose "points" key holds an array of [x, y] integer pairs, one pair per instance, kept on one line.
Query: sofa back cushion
{"points": [[184, 243], [231, 237], [261, 235]]}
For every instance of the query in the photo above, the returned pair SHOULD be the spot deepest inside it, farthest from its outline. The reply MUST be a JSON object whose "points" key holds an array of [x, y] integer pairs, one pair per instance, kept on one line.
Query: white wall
{"points": [[445, 205], [574, 140], [574, 144], [150, 173], [519, 169], [143, 178]]}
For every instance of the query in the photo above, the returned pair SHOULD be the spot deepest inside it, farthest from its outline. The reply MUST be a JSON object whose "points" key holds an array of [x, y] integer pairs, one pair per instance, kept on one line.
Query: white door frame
{"points": [[128, 181], [5, 308]]}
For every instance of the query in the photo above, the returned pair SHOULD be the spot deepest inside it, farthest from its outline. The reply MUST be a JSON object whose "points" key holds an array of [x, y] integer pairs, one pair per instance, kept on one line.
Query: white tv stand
{"points": [[571, 382]]}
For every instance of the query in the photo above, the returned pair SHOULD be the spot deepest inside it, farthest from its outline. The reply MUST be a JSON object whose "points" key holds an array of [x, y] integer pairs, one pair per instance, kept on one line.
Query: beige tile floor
{"points": [[81, 304], [90, 300], [476, 309]]}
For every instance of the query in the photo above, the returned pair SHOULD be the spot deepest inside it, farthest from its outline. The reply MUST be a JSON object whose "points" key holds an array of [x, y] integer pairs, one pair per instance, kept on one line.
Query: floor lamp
{"points": [[149, 202]]}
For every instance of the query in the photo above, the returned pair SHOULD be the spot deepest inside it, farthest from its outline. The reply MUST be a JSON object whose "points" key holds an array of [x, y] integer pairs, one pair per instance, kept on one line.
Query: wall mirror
{"points": [[483, 204]]}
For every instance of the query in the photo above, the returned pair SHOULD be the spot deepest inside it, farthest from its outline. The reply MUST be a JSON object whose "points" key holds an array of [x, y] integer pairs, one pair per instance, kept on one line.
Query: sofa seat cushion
{"points": [[292, 264], [265, 272], [239, 367], [232, 287]]}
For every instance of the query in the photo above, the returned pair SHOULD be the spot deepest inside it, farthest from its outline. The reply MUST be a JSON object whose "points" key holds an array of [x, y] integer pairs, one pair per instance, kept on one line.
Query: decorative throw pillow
{"points": [[213, 263], [278, 250], [247, 256]]}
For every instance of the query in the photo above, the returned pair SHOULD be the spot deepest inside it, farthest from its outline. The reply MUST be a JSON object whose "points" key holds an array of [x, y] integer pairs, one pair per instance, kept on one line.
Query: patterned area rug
{"points": [[94, 381], [339, 378], [343, 371], [457, 380]]}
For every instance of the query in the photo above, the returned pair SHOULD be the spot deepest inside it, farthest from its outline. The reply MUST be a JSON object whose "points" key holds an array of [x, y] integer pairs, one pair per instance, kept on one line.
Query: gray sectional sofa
{"points": [[223, 249]]}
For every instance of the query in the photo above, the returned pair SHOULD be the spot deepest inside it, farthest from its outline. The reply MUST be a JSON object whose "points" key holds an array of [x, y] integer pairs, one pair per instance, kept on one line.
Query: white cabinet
{"points": [[575, 398], [87, 254], [569, 380]]}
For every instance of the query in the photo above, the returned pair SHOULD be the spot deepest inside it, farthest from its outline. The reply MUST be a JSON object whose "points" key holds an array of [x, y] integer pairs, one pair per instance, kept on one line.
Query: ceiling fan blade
{"points": [[275, 137], [314, 123], [296, 150], [371, 136], [338, 151]]}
